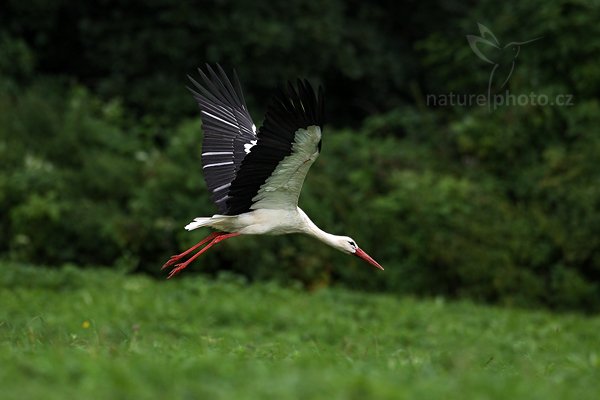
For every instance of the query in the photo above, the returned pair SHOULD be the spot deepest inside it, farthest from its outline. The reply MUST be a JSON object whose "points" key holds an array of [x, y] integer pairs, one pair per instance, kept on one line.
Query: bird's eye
{"points": [[352, 243]]}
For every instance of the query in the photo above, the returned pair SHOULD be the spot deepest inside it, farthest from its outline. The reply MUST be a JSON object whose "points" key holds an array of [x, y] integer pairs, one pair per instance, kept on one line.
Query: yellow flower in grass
{"points": [[85, 324]]}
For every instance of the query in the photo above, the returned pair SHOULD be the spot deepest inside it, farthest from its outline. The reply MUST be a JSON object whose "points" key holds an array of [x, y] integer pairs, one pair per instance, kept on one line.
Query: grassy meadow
{"points": [[73, 333]]}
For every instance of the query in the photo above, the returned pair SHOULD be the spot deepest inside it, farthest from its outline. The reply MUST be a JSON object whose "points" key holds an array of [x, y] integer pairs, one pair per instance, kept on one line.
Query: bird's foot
{"points": [[178, 257], [178, 268], [214, 238], [173, 260]]}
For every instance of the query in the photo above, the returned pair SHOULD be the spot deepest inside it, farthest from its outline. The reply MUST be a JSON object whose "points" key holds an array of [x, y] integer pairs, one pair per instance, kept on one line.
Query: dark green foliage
{"points": [[500, 206], [141, 51]]}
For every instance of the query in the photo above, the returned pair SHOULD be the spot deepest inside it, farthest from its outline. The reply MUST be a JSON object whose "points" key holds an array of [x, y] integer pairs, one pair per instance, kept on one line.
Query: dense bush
{"points": [[141, 52], [77, 188]]}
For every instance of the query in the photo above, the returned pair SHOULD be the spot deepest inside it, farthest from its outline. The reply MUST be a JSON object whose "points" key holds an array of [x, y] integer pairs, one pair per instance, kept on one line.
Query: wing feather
{"points": [[272, 174], [228, 130]]}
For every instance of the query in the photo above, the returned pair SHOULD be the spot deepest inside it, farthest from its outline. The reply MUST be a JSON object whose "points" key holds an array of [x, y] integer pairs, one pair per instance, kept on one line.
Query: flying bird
{"points": [[255, 175]]}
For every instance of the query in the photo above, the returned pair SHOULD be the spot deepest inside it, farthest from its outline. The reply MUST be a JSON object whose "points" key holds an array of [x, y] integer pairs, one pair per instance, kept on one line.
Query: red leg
{"points": [[177, 257], [220, 237]]}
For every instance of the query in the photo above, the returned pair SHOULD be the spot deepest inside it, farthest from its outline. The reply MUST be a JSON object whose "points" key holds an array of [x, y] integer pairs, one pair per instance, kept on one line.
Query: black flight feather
{"points": [[292, 108], [227, 127]]}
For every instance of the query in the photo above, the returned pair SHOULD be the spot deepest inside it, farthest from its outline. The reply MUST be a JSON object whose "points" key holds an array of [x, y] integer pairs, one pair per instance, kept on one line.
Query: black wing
{"points": [[284, 135], [228, 131]]}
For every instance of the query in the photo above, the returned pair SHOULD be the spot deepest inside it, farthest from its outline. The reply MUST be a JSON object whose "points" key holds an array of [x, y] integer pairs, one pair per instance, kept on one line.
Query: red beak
{"points": [[361, 254]]}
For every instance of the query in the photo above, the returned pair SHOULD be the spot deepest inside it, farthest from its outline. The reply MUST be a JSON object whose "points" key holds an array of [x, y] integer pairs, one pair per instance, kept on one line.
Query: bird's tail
{"points": [[198, 223], [220, 222]]}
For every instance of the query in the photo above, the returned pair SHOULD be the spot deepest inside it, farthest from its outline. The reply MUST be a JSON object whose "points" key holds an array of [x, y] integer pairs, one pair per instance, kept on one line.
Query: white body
{"points": [[273, 222]]}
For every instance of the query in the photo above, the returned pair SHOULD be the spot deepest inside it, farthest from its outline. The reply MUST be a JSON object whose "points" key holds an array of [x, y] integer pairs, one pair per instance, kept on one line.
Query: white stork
{"points": [[255, 177]]}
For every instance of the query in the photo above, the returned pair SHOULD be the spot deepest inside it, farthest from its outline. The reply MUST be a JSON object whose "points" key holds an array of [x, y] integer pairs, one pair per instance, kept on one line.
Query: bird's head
{"points": [[348, 245]]}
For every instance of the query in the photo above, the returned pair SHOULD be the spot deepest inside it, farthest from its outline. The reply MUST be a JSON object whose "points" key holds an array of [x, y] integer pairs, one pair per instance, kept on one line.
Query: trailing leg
{"points": [[220, 236], [178, 257]]}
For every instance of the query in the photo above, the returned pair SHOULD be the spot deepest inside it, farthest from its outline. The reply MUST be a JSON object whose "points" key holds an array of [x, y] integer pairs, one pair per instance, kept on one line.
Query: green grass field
{"points": [[104, 335]]}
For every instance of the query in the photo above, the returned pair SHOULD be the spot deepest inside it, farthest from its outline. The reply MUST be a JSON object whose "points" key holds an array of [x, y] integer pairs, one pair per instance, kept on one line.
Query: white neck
{"points": [[313, 230]]}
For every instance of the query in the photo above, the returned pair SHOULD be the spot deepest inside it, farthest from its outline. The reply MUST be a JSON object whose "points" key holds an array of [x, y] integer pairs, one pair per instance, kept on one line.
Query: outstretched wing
{"points": [[229, 132], [272, 174]]}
